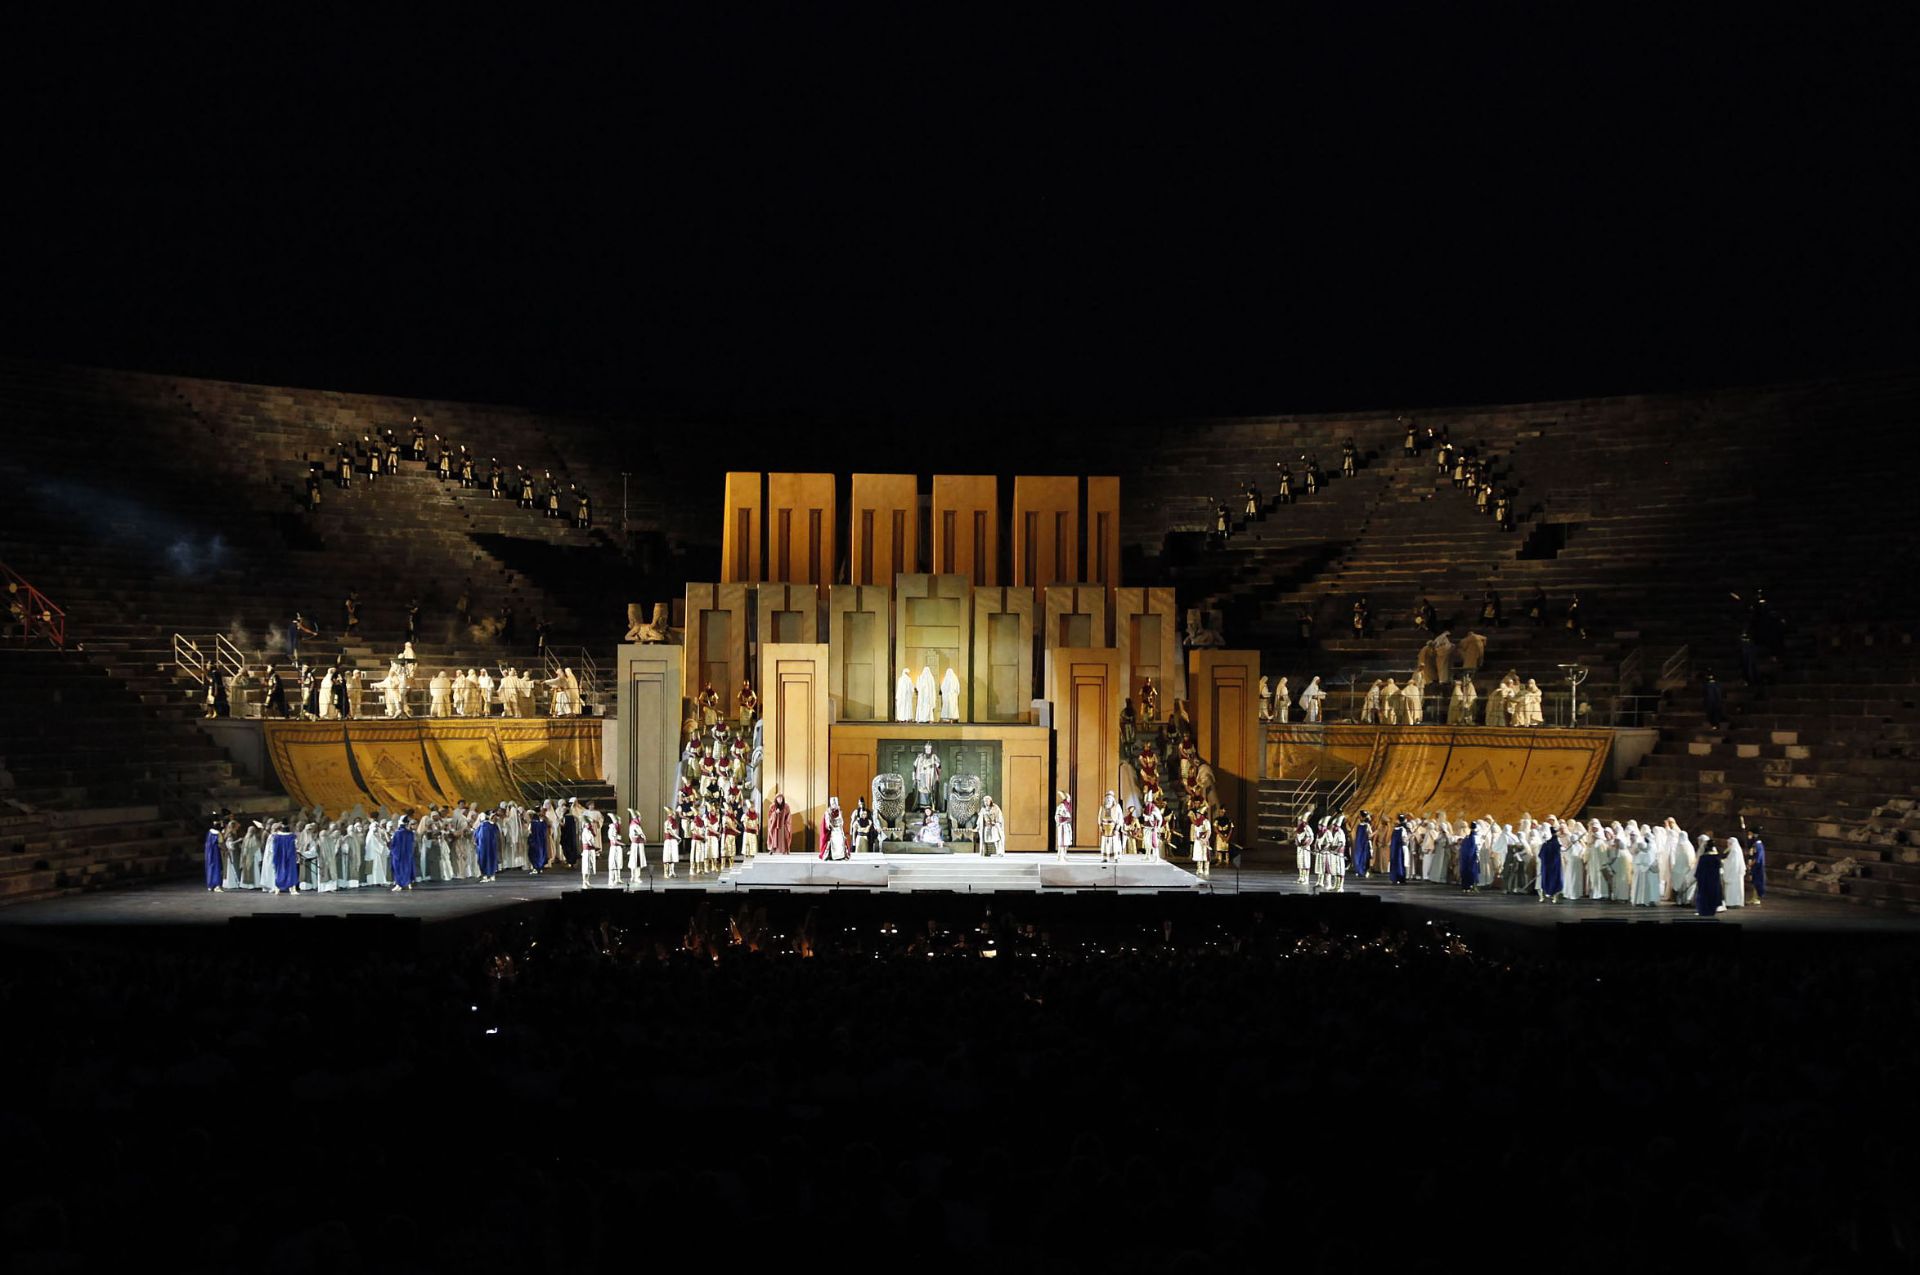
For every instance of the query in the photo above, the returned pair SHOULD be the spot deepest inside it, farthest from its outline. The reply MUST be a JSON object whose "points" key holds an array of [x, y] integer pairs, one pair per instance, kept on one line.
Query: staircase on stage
{"points": [[967, 873]]}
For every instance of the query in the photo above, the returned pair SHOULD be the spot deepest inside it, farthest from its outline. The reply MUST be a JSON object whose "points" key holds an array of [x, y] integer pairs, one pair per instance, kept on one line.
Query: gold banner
{"points": [[469, 763], [412, 763], [570, 743], [392, 761], [1466, 772], [311, 760]]}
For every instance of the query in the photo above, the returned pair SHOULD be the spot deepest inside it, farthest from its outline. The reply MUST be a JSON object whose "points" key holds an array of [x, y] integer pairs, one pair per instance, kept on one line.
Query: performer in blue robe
{"points": [[1757, 867], [400, 856], [1709, 889], [1397, 851], [1550, 883], [1469, 852], [211, 848], [1363, 845], [536, 844], [286, 862], [486, 848]]}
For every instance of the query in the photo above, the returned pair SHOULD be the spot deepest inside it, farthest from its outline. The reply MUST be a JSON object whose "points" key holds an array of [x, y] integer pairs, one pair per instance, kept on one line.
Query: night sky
{"points": [[841, 215]]}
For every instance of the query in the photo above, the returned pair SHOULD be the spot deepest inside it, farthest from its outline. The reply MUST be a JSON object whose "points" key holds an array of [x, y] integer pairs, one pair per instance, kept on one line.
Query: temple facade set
{"points": [[867, 637]]}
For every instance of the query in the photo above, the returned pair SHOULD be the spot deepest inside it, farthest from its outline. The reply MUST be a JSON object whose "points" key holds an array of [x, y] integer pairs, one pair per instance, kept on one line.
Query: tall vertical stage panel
{"points": [[740, 531], [860, 636], [1103, 534], [1086, 689], [883, 534], [800, 529], [793, 702], [1046, 530], [1003, 644], [1146, 633], [1224, 702], [933, 628], [717, 627], [1076, 615], [786, 613], [966, 527], [652, 707]]}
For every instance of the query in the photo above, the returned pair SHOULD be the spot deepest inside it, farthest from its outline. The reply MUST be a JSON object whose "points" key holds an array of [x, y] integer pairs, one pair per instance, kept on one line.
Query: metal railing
{"points": [[1677, 670], [38, 616], [188, 660], [585, 671], [226, 657], [1632, 668]]}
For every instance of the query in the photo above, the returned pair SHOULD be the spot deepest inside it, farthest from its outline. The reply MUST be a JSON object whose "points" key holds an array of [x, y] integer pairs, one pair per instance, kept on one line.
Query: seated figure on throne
{"points": [[929, 830]]}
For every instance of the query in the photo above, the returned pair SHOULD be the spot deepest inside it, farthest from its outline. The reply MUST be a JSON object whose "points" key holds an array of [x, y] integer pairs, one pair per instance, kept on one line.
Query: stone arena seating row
{"points": [[151, 505], [1654, 509]]}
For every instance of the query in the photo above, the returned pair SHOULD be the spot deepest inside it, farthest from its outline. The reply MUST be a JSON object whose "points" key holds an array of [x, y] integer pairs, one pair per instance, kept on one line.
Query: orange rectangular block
{"points": [[1046, 530], [1103, 534], [1224, 702], [793, 703], [1084, 686], [800, 529], [966, 527], [717, 629], [883, 537], [1147, 636], [740, 530]]}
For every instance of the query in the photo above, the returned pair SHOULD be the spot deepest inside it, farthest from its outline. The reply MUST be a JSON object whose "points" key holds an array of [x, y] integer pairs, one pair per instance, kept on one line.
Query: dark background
{"points": [[841, 216]]}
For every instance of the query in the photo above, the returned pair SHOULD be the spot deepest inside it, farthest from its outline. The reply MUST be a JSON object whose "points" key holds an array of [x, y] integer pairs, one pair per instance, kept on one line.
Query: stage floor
{"points": [[184, 903]]}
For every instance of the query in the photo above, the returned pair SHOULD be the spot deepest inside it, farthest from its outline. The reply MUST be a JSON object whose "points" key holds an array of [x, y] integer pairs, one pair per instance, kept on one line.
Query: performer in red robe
{"points": [[779, 826]]}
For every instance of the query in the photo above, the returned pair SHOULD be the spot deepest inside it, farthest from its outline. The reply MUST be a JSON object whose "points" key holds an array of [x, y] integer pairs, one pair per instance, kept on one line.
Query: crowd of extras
{"points": [[374, 455], [338, 693], [397, 851], [1553, 860]]}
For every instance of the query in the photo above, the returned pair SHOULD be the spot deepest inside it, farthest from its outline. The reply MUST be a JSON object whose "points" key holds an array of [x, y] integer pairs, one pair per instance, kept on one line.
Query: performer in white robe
{"points": [[1392, 707], [1460, 711], [636, 846], [561, 705], [509, 693], [1370, 708], [457, 693], [925, 696], [589, 850], [1063, 825], [1110, 827], [1310, 700], [616, 856], [1646, 872], [576, 701], [1531, 705], [993, 828], [670, 845], [1733, 876], [439, 695], [903, 697], [950, 696], [1200, 840], [328, 709], [1153, 828], [1412, 710], [1282, 702], [486, 694], [373, 853], [1680, 870]]}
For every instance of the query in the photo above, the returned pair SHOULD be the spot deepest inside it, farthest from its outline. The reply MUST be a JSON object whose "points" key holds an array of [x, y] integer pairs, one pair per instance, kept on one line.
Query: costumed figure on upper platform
{"points": [[1266, 700], [950, 696], [1149, 703], [903, 697], [1460, 710], [1310, 700], [926, 701], [1370, 707], [746, 705], [1282, 702]]}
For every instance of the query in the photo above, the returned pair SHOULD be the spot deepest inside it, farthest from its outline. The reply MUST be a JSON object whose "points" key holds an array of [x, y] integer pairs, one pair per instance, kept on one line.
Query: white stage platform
{"points": [[958, 873]]}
